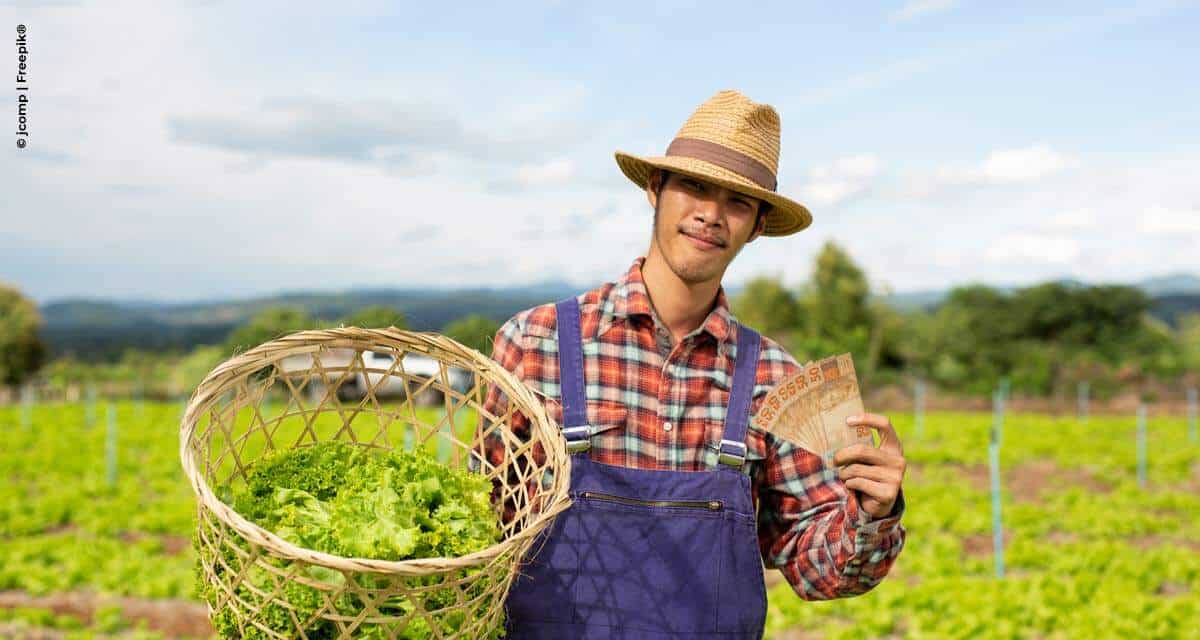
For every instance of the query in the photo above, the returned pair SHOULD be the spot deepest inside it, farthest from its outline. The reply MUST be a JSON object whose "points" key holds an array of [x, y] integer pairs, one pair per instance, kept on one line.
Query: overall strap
{"points": [[737, 415], [570, 376]]}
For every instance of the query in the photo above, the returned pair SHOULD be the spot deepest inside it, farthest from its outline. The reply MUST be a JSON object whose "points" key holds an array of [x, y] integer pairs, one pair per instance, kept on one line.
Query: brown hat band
{"points": [[724, 157]]}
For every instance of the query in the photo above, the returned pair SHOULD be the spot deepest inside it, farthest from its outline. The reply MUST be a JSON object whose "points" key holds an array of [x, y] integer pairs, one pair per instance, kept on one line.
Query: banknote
{"points": [[809, 408]]}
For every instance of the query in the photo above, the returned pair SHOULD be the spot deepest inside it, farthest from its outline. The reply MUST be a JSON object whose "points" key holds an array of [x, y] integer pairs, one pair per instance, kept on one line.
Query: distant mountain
{"points": [[93, 329], [103, 329], [1174, 284], [91, 313], [912, 300], [1170, 308], [1179, 284]]}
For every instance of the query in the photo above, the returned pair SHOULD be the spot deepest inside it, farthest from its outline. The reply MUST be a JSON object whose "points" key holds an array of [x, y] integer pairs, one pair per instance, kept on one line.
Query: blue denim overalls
{"points": [[645, 553]]}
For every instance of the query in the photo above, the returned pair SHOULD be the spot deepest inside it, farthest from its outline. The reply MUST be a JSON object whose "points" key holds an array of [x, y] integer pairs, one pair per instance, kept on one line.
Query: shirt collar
{"points": [[628, 297]]}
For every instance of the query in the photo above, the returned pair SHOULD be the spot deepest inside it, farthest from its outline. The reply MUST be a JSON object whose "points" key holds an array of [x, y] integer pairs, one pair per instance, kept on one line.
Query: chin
{"points": [[695, 268], [688, 264]]}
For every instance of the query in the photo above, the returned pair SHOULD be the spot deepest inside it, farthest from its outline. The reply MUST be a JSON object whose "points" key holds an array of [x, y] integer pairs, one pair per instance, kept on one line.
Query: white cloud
{"points": [[1010, 166], [285, 190], [281, 189], [1025, 248], [1000, 167], [891, 70], [545, 175], [1024, 165], [917, 8], [388, 133], [839, 181], [1074, 220], [1120, 217], [549, 173], [1159, 220]]}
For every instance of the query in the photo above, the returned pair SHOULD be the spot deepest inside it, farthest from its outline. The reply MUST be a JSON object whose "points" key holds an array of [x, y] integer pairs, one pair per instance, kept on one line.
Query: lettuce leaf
{"points": [[362, 502]]}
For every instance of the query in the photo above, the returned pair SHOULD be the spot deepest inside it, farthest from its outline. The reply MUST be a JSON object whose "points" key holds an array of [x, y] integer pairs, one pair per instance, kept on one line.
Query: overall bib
{"points": [[645, 553]]}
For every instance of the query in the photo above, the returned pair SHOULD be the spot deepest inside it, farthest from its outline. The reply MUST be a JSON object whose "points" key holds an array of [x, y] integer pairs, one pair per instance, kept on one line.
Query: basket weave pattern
{"points": [[320, 385]]}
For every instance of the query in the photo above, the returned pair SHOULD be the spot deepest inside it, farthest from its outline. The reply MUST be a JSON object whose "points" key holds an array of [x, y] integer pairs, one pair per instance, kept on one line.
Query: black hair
{"points": [[666, 175]]}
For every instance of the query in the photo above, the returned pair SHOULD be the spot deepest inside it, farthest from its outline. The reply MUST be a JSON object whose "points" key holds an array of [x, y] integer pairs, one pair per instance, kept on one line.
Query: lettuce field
{"points": [[95, 532]]}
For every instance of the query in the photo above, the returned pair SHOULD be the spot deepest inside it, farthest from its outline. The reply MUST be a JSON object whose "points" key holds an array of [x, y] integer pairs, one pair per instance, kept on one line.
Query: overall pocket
{"points": [[648, 564]]}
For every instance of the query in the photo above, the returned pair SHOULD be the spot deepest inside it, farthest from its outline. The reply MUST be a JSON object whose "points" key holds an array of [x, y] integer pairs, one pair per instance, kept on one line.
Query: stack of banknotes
{"points": [[809, 409]]}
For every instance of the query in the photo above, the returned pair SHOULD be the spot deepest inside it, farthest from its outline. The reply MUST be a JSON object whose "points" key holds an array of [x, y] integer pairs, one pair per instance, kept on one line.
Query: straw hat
{"points": [[732, 141]]}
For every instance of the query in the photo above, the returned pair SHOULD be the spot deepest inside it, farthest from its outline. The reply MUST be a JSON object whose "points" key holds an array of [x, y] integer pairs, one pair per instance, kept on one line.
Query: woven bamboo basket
{"points": [[371, 388]]}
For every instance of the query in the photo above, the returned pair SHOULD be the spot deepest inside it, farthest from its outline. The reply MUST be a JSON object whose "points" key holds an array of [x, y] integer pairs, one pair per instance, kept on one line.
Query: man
{"points": [[678, 498]]}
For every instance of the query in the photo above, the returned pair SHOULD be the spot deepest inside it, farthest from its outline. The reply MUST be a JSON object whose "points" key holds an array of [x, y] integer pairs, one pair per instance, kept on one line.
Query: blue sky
{"points": [[199, 150]]}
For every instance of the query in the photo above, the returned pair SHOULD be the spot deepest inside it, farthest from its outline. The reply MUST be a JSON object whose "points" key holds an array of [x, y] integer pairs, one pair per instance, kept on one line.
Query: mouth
{"points": [[701, 243]]}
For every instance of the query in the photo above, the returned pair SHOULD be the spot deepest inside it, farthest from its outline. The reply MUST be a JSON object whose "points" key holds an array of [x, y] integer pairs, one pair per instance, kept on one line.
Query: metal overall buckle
{"points": [[733, 453], [578, 438]]}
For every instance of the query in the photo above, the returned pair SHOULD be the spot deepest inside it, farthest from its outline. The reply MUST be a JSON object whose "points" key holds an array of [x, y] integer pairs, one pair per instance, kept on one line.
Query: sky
{"points": [[207, 150]]}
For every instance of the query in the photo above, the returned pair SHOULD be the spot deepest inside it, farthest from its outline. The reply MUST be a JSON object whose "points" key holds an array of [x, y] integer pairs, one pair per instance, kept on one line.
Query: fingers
{"points": [[866, 455], [881, 491], [871, 472], [888, 438]]}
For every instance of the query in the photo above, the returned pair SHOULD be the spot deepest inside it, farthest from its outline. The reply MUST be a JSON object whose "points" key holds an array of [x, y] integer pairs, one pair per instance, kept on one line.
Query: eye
{"points": [[742, 203], [689, 183]]}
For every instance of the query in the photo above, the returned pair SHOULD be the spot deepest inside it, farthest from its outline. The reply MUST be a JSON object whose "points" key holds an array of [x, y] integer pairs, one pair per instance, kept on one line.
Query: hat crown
{"points": [[736, 122]]}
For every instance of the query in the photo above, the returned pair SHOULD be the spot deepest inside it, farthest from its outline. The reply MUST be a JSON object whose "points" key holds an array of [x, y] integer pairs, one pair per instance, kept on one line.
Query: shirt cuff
{"points": [[870, 528]]}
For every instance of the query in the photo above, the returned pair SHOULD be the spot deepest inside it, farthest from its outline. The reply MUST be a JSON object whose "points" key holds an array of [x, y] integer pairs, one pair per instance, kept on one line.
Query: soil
{"points": [[1172, 589], [1152, 541], [979, 545], [172, 544], [172, 618], [1061, 537], [1027, 481], [893, 398], [15, 631], [773, 577]]}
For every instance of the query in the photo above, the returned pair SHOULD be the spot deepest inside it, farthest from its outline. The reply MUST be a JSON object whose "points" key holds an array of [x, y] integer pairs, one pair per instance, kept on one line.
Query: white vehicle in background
{"points": [[416, 367], [419, 368]]}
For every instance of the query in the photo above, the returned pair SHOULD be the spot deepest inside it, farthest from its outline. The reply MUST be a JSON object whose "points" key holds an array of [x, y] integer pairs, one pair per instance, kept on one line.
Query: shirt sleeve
{"points": [[508, 352], [810, 526]]}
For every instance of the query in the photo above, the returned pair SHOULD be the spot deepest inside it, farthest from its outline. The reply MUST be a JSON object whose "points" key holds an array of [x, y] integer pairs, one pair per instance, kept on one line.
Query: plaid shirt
{"points": [[661, 406]]}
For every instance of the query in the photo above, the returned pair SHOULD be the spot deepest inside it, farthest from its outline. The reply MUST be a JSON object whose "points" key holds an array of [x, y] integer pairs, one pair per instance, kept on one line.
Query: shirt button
{"points": [[666, 426]]}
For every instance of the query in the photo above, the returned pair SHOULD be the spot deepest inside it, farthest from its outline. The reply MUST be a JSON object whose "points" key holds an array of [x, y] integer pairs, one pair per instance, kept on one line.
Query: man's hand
{"points": [[875, 472]]}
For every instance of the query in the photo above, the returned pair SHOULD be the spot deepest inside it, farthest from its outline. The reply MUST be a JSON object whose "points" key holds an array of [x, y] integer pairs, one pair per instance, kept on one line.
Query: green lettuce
{"points": [[359, 502]]}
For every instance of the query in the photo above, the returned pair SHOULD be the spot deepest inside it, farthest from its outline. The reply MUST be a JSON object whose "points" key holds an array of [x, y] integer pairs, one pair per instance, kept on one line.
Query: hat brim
{"points": [[785, 218]]}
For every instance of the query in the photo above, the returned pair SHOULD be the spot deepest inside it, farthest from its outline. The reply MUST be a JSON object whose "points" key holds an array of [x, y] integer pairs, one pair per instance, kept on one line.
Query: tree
{"points": [[837, 303], [1189, 338], [267, 325], [22, 352], [836, 311], [474, 331], [1104, 317], [191, 369], [768, 306], [376, 317]]}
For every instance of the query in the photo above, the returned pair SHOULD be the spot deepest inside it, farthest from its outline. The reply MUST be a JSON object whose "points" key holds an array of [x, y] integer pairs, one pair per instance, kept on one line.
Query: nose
{"points": [[708, 211]]}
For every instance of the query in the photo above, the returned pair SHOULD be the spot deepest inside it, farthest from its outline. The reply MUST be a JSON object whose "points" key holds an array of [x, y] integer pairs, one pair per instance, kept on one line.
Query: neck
{"points": [[681, 305]]}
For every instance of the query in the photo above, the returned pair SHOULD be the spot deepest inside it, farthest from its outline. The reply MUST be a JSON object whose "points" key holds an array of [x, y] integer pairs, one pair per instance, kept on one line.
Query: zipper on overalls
{"points": [[711, 505]]}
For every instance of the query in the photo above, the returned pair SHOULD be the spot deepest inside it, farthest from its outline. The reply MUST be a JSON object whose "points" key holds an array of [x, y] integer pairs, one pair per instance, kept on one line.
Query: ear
{"points": [[759, 228], [652, 184]]}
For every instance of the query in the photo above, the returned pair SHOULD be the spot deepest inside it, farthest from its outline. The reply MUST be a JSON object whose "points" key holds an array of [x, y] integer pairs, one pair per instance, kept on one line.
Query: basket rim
{"points": [[240, 366]]}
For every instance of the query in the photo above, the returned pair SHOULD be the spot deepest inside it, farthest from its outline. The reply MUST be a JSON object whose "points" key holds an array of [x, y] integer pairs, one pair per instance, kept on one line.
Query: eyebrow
{"points": [[748, 199]]}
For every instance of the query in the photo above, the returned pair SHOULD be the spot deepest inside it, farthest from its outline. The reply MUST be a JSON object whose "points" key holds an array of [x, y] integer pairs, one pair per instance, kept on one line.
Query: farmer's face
{"points": [[690, 209]]}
